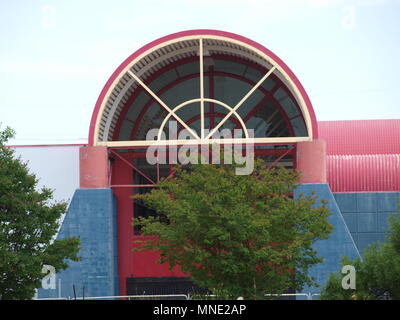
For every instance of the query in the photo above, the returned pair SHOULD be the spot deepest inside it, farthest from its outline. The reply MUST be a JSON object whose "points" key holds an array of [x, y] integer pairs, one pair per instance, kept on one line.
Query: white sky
{"points": [[55, 56]]}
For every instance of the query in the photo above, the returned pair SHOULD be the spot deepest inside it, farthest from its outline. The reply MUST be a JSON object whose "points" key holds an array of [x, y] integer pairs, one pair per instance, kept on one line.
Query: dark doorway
{"points": [[162, 286]]}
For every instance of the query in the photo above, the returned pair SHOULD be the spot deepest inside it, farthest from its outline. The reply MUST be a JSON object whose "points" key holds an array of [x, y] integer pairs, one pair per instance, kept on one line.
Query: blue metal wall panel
{"points": [[367, 222], [366, 202], [351, 221], [346, 201], [366, 214], [388, 201], [92, 217]]}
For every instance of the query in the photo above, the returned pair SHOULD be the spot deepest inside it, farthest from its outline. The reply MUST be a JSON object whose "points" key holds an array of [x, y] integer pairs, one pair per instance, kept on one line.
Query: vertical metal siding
{"points": [[362, 155], [357, 173]]}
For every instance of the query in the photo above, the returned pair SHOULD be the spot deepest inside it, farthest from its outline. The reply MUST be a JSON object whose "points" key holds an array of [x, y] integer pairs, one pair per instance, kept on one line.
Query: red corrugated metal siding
{"points": [[361, 136], [362, 155], [364, 173]]}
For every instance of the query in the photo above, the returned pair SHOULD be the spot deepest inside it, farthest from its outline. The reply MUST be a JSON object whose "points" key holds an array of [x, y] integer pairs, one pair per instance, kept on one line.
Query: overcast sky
{"points": [[55, 56]]}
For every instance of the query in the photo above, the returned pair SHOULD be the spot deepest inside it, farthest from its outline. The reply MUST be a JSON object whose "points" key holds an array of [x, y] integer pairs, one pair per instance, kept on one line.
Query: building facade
{"points": [[199, 88]]}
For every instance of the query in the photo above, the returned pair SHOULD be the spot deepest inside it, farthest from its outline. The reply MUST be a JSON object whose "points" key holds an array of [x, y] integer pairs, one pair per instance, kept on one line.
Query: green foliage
{"points": [[236, 235], [377, 275], [28, 223]]}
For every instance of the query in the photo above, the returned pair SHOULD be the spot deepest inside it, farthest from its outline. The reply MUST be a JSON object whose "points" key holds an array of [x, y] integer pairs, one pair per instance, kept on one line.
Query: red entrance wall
{"points": [[132, 264], [143, 264]]}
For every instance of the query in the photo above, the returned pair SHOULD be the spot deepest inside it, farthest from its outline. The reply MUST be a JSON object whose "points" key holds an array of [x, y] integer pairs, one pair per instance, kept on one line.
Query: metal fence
{"points": [[306, 296]]}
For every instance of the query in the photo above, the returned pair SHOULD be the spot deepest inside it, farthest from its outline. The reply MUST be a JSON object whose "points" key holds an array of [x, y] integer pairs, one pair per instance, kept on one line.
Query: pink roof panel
{"points": [[362, 155], [361, 136]]}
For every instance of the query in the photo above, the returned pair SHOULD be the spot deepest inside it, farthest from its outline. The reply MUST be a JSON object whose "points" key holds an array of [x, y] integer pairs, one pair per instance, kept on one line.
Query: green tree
{"points": [[377, 275], [236, 235], [28, 224]]}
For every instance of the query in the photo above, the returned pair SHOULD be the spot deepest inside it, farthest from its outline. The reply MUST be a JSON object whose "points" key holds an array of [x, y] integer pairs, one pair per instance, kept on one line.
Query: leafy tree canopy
{"points": [[236, 235], [28, 224]]}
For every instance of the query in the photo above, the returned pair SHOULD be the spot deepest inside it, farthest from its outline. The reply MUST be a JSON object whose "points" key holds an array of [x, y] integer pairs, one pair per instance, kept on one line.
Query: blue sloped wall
{"points": [[92, 217], [339, 243]]}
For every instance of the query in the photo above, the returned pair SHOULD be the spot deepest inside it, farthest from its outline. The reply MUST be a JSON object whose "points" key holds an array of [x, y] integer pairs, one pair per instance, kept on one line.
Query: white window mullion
{"points": [[248, 94], [201, 57], [134, 76]]}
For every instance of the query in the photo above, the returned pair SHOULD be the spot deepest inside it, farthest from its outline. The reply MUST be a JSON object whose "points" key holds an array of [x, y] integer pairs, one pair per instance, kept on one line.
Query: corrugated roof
{"points": [[364, 173], [362, 155], [361, 136]]}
